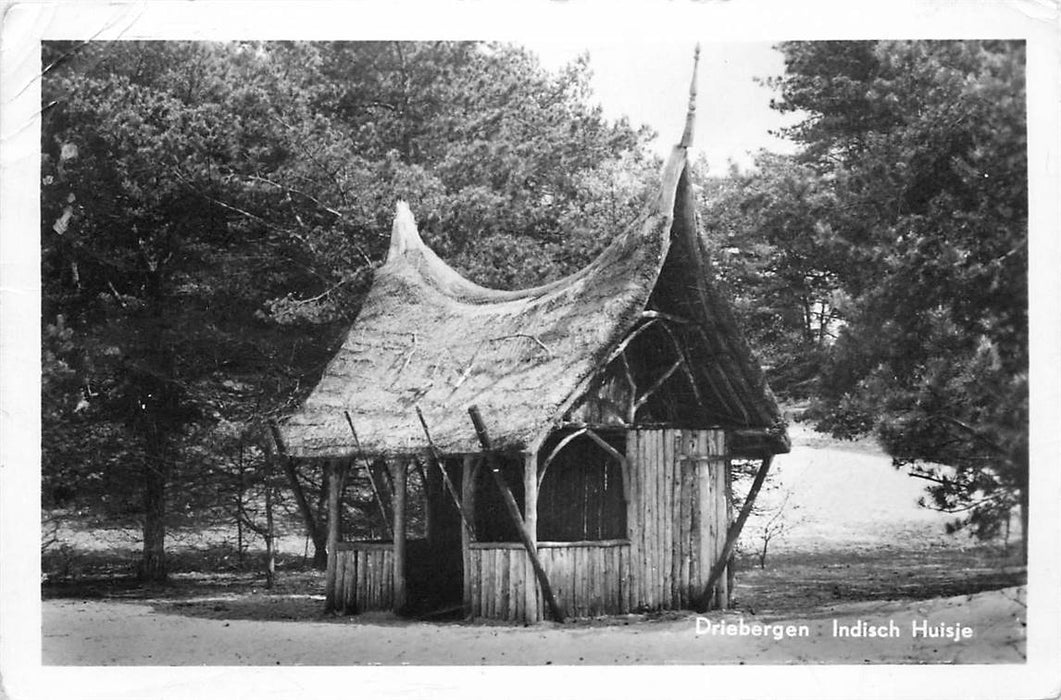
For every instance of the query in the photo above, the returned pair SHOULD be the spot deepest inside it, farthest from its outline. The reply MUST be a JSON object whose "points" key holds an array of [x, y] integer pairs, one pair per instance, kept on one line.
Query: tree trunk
{"points": [[1024, 525], [270, 532], [313, 529], [153, 561]]}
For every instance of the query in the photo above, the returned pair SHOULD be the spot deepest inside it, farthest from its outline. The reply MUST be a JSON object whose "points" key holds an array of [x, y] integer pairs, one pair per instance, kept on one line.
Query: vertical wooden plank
{"points": [[379, 574], [485, 592], [661, 517], [541, 602], [687, 523], [624, 578], [675, 519], [666, 514], [605, 579], [338, 582], [611, 579], [604, 556], [477, 582], [388, 571], [547, 556], [359, 583], [499, 582], [382, 581], [347, 590], [633, 519], [516, 590], [657, 451], [581, 580], [633, 467], [520, 587], [586, 556], [676, 481], [719, 466], [639, 543], [534, 612], [708, 521], [574, 577], [696, 524], [354, 607], [729, 518], [480, 581], [646, 522], [473, 576], [637, 564], [370, 580], [489, 583], [503, 587], [657, 517], [366, 588], [720, 506], [375, 573], [679, 532], [351, 582], [595, 576], [646, 468], [651, 520]]}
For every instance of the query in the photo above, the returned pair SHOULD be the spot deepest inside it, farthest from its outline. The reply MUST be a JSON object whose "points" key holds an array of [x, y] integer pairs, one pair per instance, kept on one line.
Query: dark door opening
{"points": [[433, 563]]}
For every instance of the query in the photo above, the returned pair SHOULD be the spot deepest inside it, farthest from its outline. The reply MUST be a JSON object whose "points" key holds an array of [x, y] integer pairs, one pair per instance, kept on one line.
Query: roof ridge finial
{"points": [[404, 236], [690, 116]]}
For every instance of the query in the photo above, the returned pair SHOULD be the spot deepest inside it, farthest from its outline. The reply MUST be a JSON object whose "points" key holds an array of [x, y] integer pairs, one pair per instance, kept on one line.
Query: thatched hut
{"points": [[613, 401]]}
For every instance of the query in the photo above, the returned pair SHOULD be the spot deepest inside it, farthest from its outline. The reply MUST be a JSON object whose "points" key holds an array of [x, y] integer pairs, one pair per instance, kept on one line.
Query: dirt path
{"points": [[108, 632], [856, 535]]}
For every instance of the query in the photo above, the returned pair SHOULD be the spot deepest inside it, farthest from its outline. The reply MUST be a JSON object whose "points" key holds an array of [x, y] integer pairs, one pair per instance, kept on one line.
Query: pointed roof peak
{"points": [[690, 116], [404, 235]]}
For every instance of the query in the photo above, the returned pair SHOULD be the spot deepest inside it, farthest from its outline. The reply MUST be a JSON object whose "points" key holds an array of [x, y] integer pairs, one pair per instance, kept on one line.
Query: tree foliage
{"points": [[908, 203], [212, 214]]}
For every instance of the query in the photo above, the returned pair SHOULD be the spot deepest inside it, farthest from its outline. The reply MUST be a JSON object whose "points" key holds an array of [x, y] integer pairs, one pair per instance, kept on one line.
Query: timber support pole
{"points": [[401, 470], [513, 511], [704, 601], [335, 471]]}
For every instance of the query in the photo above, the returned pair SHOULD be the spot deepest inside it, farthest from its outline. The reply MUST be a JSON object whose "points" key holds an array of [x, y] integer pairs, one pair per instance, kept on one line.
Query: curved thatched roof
{"points": [[428, 337]]}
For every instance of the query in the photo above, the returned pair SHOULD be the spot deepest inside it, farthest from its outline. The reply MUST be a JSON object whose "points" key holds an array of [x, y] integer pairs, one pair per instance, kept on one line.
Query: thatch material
{"points": [[428, 337]]}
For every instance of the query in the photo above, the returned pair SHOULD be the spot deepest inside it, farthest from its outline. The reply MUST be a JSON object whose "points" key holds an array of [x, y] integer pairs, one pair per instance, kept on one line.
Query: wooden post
{"points": [[400, 470], [513, 512], [468, 472], [530, 522], [719, 566], [334, 474]]}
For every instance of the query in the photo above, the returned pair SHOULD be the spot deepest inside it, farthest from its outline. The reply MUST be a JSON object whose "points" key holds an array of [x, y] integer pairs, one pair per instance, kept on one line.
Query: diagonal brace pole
{"points": [[371, 479], [704, 601], [513, 511], [437, 456]]}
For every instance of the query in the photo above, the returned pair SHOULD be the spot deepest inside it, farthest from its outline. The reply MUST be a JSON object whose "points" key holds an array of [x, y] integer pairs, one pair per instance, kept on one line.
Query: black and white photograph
{"points": [[433, 354]]}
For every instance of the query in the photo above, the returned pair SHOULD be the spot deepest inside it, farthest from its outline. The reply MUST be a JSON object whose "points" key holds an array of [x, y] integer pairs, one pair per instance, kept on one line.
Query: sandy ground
{"points": [[104, 632], [840, 501]]}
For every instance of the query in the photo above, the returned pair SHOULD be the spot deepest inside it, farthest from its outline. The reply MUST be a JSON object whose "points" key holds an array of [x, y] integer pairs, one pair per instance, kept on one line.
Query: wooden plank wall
{"points": [[587, 578], [677, 515], [364, 576]]}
